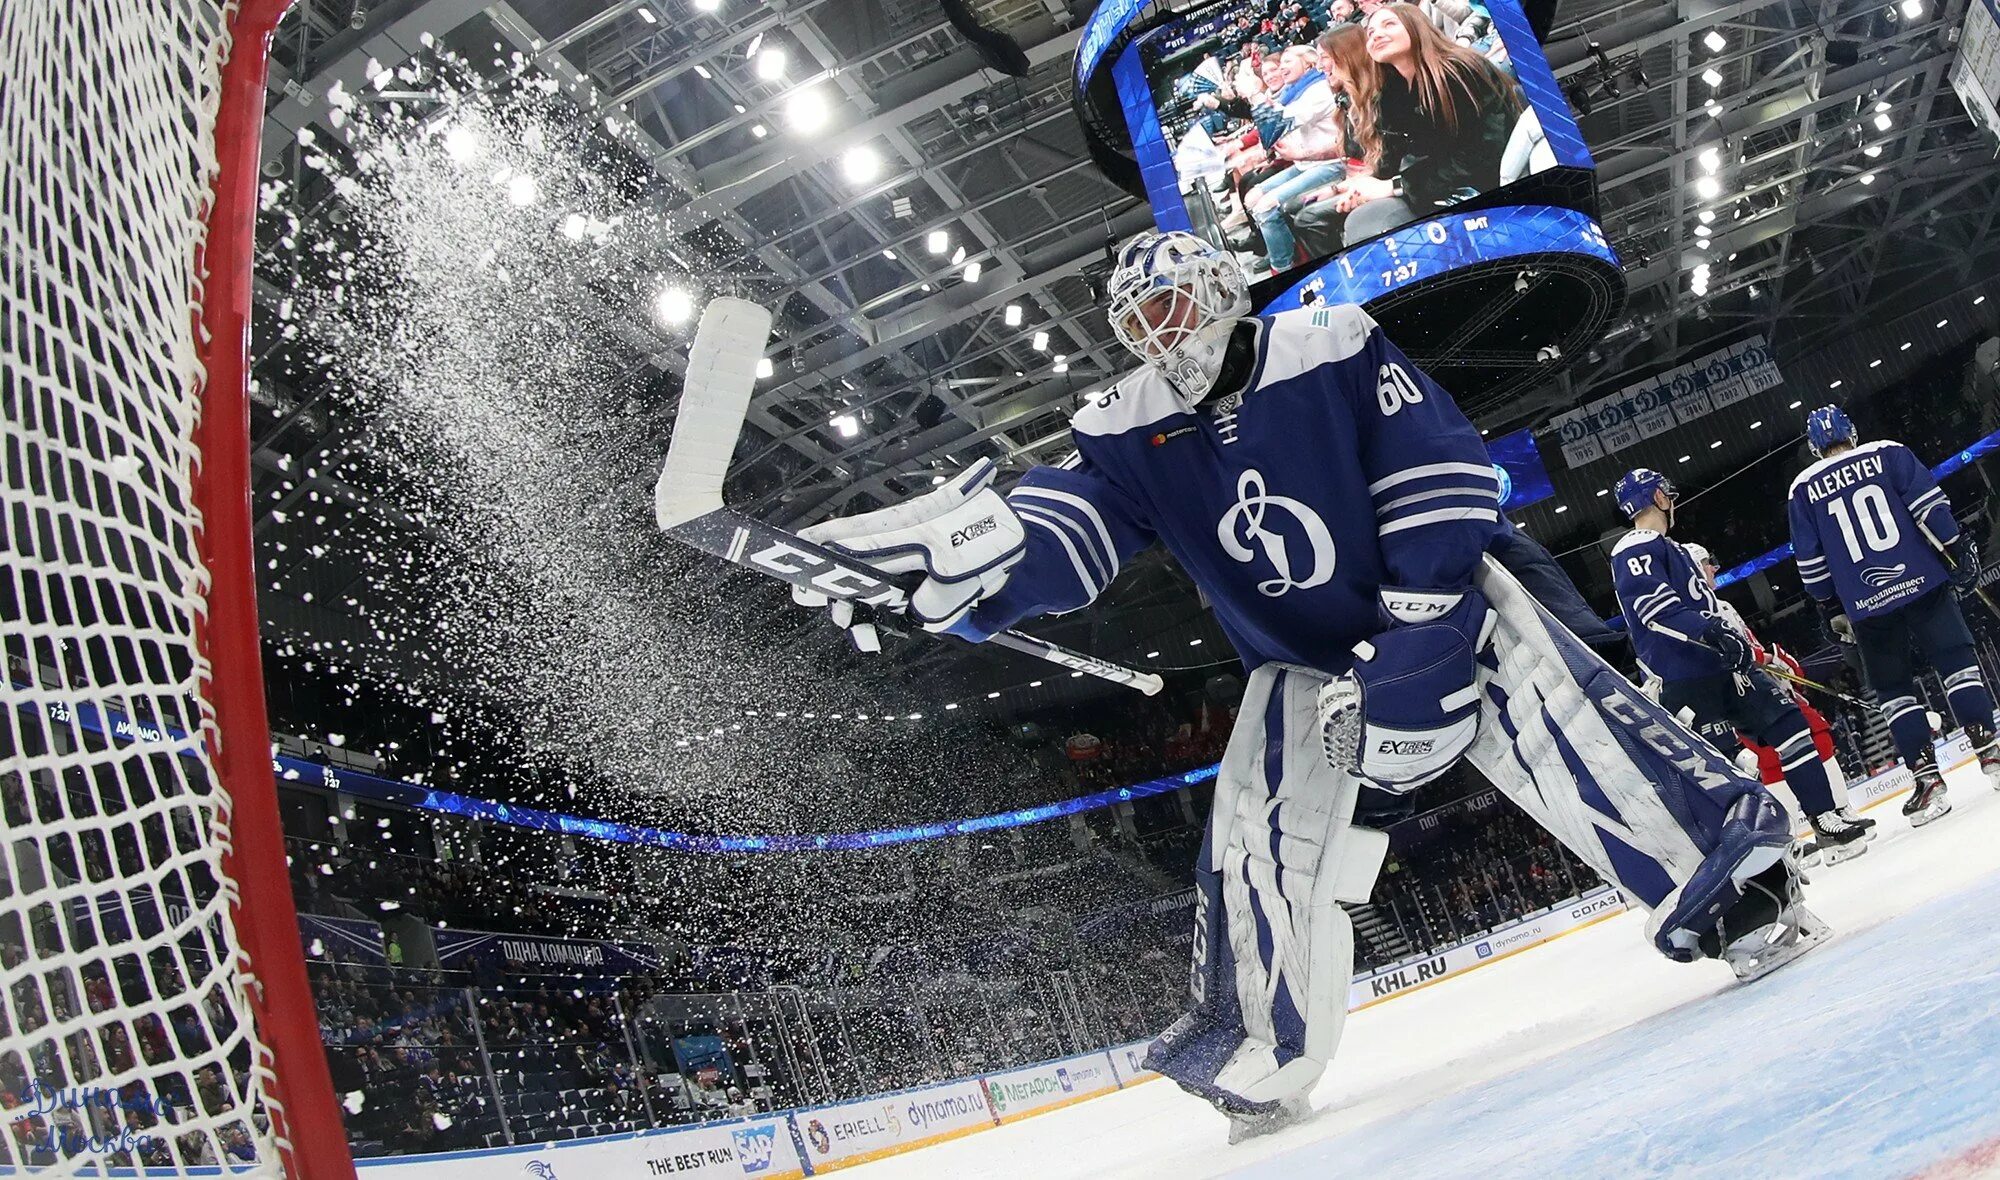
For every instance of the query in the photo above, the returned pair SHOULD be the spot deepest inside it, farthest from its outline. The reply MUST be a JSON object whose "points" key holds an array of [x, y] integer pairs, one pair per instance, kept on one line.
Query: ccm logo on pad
{"points": [[973, 531], [1405, 608]]}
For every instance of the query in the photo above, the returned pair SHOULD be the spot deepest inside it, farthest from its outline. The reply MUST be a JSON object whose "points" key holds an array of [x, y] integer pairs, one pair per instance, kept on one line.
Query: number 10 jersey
{"points": [[1867, 526]]}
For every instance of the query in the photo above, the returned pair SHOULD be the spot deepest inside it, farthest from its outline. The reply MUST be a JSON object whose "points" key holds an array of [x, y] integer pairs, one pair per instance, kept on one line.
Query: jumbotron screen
{"points": [[1289, 131]]}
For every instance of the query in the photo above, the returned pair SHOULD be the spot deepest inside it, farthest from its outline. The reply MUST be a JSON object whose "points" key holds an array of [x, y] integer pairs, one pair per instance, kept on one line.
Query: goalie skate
{"points": [[1767, 928], [1275, 1117]]}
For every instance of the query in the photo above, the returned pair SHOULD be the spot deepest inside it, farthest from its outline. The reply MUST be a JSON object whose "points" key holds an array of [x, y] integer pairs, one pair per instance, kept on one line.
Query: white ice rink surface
{"points": [[1878, 1055]]}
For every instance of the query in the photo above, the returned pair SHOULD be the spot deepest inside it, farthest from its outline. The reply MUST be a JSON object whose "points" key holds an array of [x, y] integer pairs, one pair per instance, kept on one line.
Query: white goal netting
{"points": [[127, 1035]]}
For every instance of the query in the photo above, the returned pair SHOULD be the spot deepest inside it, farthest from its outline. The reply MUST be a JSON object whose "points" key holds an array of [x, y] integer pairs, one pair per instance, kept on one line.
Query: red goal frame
{"points": [[305, 1113]]}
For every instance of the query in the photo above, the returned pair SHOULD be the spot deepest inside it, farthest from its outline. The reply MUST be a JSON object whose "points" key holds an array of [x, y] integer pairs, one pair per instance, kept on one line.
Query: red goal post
{"points": [[155, 1015]]}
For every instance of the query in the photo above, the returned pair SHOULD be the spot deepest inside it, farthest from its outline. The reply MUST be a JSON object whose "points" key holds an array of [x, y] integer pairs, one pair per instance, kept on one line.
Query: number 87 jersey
{"points": [[1867, 526]]}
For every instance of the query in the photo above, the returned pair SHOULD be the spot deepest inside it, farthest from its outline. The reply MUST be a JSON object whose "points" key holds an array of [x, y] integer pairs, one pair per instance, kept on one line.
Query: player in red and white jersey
{"points": [[1774, 656]]}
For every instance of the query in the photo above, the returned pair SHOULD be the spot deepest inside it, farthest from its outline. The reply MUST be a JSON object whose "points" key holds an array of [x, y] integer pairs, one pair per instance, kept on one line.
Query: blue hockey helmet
{"points": [[1635, 490], [1826, 427]]}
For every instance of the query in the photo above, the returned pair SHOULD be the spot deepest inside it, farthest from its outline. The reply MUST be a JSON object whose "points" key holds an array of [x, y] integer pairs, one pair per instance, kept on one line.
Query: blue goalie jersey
{"points": [[1867, 526], [1338, 468], [1667, 605]]}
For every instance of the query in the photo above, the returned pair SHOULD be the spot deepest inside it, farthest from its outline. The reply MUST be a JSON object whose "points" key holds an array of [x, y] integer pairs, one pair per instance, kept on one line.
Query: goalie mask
{"points": [[1172, 301]]}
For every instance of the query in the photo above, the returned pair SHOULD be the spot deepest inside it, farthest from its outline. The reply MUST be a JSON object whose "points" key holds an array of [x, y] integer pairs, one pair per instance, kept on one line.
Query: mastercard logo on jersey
{"points": [[1162, 439]]}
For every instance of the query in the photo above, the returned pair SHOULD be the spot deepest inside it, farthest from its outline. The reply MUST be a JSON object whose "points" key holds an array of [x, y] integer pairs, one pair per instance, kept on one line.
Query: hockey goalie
{"points": [[1341, 516]]}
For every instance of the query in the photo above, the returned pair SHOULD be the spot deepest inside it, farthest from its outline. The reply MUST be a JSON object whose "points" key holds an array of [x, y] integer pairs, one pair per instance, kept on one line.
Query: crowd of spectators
{"points": [[1310, 124]]}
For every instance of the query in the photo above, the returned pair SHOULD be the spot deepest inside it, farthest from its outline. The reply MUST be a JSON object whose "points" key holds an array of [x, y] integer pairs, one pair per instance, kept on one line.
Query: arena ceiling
{"points": [[1851, 187]]}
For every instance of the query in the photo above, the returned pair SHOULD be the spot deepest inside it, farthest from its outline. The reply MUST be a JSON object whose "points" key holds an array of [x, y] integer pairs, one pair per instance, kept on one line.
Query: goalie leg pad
{"points": [[1274, 952], [1614, 776]]}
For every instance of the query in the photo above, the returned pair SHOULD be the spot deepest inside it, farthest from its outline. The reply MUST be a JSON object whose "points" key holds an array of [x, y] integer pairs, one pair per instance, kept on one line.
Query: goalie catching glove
{"points": [[1410, 707], [962, 539]]}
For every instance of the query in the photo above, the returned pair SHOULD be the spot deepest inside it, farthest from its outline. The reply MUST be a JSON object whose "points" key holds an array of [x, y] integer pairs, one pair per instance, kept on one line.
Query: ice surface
{"points": [[1877, 1055]]}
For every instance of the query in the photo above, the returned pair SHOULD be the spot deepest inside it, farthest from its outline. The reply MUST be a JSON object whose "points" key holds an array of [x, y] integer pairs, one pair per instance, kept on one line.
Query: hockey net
{"points": [[155, 1018]]}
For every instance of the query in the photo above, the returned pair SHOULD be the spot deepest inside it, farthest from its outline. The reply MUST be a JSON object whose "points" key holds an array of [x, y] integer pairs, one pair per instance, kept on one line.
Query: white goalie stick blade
{"points": [[687, 500], [715, 396]]}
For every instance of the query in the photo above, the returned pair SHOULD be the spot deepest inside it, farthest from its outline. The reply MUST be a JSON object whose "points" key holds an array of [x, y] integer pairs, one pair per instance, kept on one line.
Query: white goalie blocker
{"points": [[1622, 784]]}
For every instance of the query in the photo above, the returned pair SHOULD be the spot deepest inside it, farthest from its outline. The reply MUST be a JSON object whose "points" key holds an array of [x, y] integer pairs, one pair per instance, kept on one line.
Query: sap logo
{"points": [[1484, 950], [1608, 902], [754, 1148], [973, 531], [540, 1170], [1409, 749]]}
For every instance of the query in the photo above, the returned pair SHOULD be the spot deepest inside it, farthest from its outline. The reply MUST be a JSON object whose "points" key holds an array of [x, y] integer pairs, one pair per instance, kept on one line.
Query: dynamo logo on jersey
{"points": [[1878, 576], [1243, 526], [754, 1148]]}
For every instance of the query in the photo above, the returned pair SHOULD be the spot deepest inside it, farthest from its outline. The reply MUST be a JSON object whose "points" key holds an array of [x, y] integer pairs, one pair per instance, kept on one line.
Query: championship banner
{"points": [[1666, 401], [522, 954]]}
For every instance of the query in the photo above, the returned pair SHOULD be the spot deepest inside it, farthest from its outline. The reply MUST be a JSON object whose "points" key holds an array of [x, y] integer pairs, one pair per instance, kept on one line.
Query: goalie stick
{"points": [[687, 501]]}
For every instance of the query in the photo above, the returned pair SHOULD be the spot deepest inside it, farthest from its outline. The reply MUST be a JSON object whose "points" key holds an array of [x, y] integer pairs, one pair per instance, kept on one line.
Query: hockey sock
{"points": [[1909, 728], [1799, 759], [1971, 704]]}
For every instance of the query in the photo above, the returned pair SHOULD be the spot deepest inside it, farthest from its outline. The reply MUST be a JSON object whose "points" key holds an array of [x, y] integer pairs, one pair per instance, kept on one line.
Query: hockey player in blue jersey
{"points": [[1341, 517], [1707, 668], [1880, 552]]}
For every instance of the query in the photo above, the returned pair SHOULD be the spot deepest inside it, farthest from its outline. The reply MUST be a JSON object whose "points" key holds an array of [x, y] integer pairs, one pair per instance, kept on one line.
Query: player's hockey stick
{"points": [[687, 501], [1786, 674]]}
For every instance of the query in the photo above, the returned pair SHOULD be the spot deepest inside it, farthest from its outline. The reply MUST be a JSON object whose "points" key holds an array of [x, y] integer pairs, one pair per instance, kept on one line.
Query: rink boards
{"points": [[821, 1139], [795, 1143]]}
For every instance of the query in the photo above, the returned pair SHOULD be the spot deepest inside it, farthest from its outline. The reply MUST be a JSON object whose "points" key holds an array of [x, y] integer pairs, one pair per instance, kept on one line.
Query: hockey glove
{"points": [[1733, 648], [1964, 554], [1833, 620], [1410, 707], [960, 541]]}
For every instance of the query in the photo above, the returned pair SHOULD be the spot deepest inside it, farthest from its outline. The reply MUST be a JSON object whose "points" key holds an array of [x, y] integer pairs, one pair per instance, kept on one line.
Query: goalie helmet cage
{"points": [[153, 990]]}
